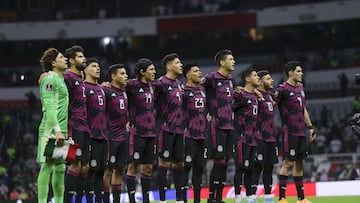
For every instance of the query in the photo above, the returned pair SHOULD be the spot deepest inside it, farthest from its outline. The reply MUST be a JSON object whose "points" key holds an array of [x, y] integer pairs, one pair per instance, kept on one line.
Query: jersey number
{"points": [[300, 101], [270, 106], [100, 100], [148, 97], [122, 103], [199, 103], [255, 109], [228, 92], [178, 96]]}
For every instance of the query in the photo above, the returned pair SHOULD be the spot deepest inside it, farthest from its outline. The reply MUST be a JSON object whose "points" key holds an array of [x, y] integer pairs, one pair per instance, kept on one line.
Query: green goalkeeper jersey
{"points": [[54, 100]]}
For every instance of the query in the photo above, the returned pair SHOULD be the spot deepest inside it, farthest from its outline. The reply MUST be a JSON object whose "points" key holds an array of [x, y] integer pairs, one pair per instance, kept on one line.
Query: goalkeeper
{"points": [[54, 100]]}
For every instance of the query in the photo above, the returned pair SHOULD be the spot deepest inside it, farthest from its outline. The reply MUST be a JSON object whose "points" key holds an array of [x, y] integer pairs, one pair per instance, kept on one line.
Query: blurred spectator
{"points": [[343, 84], [357, 104], [355, 172], [335, 145]]}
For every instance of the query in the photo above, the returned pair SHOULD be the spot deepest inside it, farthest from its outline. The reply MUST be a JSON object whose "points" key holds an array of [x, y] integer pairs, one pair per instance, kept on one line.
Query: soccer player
{"points": [[78, 127], [142, 128], [290, 97], [246, 111], [195, 128], [169, 98], [266, 149], [55, 100], [117, 118], [219, 96], [96, 111]]}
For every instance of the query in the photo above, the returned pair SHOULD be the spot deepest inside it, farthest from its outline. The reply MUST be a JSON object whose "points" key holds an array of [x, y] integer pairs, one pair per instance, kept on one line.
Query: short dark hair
{"points": [[47, 58], [246, 73], [71, 52], [262, 73], [188, 67], [168, 58], [113, 68], [291, 66], [91, 60], [142, 64], [221, 55]]}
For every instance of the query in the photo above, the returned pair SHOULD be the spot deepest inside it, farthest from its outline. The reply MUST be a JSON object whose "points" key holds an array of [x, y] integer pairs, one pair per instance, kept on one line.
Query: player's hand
{"points": [[60, 139], [106, 84], [127, 127], [312, 135], [208, 117], [258, 93], [44, 74], [239, 89]]}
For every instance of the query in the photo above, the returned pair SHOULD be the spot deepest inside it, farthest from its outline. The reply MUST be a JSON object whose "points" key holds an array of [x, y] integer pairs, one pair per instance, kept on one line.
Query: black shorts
{"points": [[266, 152], [196, 152], [244, 156], [98, 154], [142, 149], [170, 146], [221, 143], [82, 139], [118, 154], [294, 147]]}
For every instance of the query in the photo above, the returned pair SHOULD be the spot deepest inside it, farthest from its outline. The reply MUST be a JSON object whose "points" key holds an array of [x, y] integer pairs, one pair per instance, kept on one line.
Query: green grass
{"points": [[341, 199]]}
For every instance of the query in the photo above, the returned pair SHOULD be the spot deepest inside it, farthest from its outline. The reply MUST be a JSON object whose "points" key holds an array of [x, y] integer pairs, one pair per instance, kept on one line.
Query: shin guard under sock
{"points": [[145, 187], [178, 177], [131, 187], [162, 181], [116, 190]]}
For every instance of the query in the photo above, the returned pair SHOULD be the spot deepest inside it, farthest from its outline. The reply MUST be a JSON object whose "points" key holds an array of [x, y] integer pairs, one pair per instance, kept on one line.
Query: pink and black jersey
{"points": [[77, 99], [141, 108], [246, 111], [194, 112], [117, 113], [169, 98], [291, 101], [265, 118], [96, 111], [219, 95]]}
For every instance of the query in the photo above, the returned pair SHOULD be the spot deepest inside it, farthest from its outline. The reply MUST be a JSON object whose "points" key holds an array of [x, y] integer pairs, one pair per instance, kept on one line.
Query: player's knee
{"points": [[287, 164], [146, 169], [178, 164], [299, 166], [85, 169], [162, 162]]}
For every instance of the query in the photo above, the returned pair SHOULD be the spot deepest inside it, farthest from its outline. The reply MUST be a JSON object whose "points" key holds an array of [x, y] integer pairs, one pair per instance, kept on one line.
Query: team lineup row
{"points": [[133, 122]]}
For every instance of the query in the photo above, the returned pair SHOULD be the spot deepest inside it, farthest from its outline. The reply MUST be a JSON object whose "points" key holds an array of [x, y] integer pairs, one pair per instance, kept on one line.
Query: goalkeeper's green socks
{"points": [[58, 171]]}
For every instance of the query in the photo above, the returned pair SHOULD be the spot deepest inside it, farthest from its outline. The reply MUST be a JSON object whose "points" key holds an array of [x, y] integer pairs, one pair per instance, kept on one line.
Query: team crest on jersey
{"points": [[141, 90], [181, 87], [302, 93], [49, 87], [270, 98], [276, 94]]}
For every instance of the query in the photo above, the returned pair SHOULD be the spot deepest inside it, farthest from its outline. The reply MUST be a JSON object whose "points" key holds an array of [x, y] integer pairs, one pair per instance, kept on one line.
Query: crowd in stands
{"points": [[63, 10]]}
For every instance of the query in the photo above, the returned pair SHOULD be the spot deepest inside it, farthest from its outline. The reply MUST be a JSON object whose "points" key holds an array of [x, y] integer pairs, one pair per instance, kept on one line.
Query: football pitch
{"points": [[337, 199]]}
